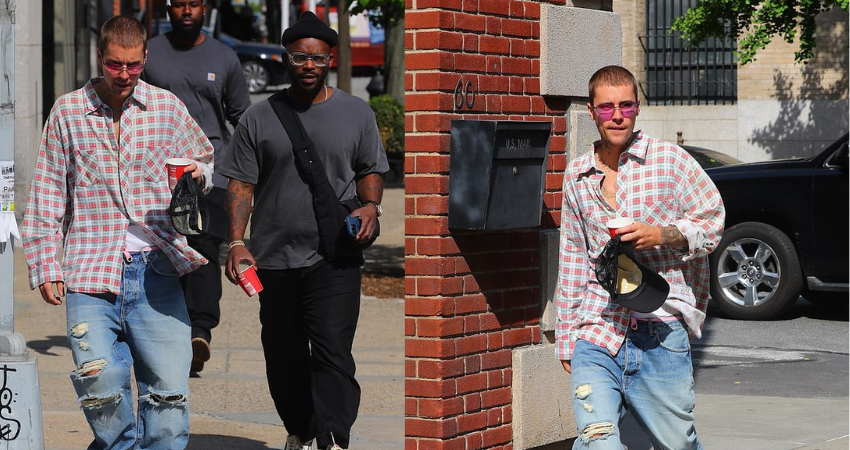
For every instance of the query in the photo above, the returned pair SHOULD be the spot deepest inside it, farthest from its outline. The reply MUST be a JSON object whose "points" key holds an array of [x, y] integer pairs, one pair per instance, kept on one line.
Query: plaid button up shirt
{"points": [[658, 184], [89, 187]]}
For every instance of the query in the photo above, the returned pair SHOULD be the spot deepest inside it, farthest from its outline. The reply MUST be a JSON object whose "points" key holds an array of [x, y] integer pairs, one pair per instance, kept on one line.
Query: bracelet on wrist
{"points": [[235, 244]]}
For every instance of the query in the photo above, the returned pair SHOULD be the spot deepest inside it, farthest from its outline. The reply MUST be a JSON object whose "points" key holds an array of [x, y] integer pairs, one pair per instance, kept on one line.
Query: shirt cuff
{"points": [[42, 273]]}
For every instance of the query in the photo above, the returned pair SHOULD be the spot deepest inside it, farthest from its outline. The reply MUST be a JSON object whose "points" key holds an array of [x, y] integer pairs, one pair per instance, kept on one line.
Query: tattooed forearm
{"points": [[238, 202], [671, 237], [371, 187]]}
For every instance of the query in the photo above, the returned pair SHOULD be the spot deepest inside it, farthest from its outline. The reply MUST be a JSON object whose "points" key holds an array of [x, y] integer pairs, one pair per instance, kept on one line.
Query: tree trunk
{"points": [[343, 69], [394, 61]]}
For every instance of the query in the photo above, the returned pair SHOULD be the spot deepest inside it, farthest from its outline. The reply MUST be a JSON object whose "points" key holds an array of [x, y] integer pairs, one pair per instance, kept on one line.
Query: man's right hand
{"points": [[235, 256], [567, 367], [52, 292]]}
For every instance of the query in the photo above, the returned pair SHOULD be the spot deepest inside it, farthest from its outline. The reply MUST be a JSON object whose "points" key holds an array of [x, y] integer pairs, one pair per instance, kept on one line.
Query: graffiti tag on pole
{"points": [[10, 428]]}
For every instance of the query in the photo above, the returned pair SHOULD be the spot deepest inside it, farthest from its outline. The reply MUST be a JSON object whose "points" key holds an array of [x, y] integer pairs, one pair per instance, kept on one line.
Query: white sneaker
{"points": [[293, 442], [334, 447]]}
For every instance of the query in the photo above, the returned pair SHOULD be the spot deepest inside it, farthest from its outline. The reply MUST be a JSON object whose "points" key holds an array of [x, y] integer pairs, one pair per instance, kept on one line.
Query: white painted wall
{"points": [[752, 130]]}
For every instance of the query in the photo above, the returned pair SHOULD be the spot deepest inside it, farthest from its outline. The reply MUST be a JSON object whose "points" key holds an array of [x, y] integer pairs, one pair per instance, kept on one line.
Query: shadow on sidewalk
{"points": [[43, 346], [208, 441]]}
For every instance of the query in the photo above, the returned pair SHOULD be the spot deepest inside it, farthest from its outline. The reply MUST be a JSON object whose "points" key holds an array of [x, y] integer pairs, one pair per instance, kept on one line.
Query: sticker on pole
{"points": [[7, 186]]}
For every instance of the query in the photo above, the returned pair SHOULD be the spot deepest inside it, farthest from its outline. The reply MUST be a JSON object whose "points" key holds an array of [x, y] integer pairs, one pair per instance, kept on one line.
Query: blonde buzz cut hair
{"points": [[123, 31], [611, 76]]}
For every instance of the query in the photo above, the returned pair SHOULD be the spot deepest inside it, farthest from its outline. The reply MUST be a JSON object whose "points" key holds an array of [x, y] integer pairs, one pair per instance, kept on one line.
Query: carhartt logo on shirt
{"points": [[210, 77]]}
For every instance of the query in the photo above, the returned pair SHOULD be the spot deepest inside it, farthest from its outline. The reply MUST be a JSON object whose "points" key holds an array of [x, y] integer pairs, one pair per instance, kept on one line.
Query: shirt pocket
{"points": [[88, 170], [210, 84], [659, 212], [154, 163]]}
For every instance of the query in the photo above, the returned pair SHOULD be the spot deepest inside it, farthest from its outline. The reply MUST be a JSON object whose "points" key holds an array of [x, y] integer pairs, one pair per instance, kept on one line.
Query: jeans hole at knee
{"points": [[165, 398], [100, 401]]}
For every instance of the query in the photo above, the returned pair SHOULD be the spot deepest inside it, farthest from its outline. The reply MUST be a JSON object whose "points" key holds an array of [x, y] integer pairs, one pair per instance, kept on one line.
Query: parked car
{"points": [[262, 64], [710, 158], [786, 233]]}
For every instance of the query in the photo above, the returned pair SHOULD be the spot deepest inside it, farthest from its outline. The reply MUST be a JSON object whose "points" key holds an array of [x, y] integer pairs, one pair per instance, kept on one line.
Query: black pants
{"points": [[202, 288], [309, 317]]}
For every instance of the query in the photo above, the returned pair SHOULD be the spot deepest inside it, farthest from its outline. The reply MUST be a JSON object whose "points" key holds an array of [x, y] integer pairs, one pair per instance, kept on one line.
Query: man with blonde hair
{"points": [[627, 345], [100, 192]]}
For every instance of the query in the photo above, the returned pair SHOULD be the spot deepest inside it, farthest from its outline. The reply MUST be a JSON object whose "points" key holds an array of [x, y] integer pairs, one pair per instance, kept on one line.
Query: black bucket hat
{"points": [[629, 282]]}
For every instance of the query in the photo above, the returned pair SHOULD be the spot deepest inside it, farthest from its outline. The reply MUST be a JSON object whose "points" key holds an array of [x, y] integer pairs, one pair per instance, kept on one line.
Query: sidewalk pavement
{"points": [[747, 422], [230, 404]]}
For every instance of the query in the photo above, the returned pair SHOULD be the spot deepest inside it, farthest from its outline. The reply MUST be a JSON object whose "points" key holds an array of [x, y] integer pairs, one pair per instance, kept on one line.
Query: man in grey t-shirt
{"points": [[310, 303], [207, 77]]}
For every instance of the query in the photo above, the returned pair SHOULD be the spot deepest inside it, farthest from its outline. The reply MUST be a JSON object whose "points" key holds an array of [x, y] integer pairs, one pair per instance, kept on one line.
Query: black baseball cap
{"points": [[630, 283]]}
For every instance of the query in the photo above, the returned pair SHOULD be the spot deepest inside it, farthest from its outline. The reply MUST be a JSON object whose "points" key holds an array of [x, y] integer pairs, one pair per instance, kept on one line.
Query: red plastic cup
{"points": [[249, 281], [176, 167], [619, 222]]}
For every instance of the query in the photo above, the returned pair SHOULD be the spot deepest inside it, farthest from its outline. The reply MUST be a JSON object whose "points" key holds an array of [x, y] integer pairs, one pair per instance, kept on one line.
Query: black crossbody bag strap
{"points": [[324, 198]]}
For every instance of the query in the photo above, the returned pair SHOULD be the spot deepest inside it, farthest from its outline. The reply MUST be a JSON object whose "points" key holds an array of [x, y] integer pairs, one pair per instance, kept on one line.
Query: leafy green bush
{"points": [[390, 117]]}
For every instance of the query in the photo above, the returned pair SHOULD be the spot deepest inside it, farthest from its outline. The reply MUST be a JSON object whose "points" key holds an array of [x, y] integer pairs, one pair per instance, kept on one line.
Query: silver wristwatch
{"points": [[377, 206]]}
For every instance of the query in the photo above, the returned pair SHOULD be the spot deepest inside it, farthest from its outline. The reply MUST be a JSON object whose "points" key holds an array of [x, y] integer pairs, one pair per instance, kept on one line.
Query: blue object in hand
{"points": [[352, 224]]}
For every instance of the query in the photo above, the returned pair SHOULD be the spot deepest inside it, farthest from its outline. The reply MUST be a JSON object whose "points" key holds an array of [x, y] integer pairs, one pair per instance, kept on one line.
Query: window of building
{"points": [[676, 75]]}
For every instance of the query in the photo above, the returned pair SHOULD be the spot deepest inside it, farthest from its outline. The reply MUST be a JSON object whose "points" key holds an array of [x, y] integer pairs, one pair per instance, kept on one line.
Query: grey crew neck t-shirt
{"points": [[208, 79], [284, 234]]}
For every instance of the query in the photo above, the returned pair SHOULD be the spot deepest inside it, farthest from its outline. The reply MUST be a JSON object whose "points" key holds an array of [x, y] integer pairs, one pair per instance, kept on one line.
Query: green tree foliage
{"points": [[755, 23], [385, 13], [389, 114]]}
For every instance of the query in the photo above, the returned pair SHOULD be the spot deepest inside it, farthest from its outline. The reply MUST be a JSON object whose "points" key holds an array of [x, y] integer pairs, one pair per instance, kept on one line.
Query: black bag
{"points": [[335, 243], [192, 214]]}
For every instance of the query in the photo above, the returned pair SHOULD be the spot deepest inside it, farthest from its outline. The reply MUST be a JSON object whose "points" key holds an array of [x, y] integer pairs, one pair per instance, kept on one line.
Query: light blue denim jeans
{"points": [[146, 327], [651, 376]]}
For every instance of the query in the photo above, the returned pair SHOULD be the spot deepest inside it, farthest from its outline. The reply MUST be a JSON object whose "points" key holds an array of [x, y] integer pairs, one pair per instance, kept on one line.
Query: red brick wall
{"points": [[470, 296]]}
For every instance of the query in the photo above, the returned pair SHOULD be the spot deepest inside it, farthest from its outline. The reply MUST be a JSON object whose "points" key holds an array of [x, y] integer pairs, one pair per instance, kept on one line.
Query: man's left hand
{"points": [[368, 221], [641, 235]]}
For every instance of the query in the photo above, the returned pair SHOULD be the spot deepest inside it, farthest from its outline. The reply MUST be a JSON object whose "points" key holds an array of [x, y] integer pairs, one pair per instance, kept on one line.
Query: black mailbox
{"points": [[497, 174]]}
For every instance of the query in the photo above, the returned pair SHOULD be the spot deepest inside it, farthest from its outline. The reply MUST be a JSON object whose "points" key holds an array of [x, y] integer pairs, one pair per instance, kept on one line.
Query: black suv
{"points": [[786, 234]]}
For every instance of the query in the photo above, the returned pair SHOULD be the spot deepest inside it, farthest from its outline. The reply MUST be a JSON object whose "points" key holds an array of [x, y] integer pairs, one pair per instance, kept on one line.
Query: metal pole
{"points": [[20, 397], [284, 15]]}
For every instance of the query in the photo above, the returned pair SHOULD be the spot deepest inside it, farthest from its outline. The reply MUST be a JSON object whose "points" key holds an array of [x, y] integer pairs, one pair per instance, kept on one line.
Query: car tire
{"points": [[755, 272], [256, 76]]}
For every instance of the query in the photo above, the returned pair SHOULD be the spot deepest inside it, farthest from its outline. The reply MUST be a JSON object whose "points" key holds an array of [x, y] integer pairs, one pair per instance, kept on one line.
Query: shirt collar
{"points": [[637, 149], [94, 102]]}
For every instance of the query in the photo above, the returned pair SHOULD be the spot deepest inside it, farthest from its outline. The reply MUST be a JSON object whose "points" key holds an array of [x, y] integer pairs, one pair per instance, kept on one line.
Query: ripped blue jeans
{"points": [[651, 376], [146, 327]]}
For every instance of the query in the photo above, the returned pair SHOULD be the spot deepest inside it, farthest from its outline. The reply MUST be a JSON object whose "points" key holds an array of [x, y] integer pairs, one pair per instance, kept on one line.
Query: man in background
{"points": [[207, 76]]}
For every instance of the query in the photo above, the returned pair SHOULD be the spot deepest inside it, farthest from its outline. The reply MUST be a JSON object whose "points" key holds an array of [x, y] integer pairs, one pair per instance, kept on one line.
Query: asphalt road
{"points": [[786, 378], [803, 355]]}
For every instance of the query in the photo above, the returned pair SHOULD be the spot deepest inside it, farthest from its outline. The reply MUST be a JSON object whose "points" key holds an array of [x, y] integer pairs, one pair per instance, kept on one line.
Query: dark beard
{"points": [[320, 84], [186, 33]]}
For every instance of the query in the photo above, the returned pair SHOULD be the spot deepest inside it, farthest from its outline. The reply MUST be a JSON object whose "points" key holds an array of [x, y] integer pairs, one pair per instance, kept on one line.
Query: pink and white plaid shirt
{"points": [[88, 187], [659, 184]]}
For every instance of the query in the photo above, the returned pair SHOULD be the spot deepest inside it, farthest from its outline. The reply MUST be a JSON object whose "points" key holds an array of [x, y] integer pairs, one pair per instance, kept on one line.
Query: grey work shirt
{"points": [[208, 79], [284, 234]]}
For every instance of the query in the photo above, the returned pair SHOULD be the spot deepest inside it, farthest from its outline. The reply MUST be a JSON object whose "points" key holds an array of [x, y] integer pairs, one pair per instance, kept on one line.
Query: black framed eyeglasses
{"points": [[319, 59]]}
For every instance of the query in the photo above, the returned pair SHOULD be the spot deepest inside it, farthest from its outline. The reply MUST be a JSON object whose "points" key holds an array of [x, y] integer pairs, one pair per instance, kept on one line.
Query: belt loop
{"points": [[145, 252], [651, 326], [634, 325]]}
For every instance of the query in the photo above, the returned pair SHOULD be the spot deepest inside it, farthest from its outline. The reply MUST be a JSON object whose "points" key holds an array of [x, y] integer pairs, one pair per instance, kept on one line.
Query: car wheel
{"points": [[256, 76], [755, 273]]}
